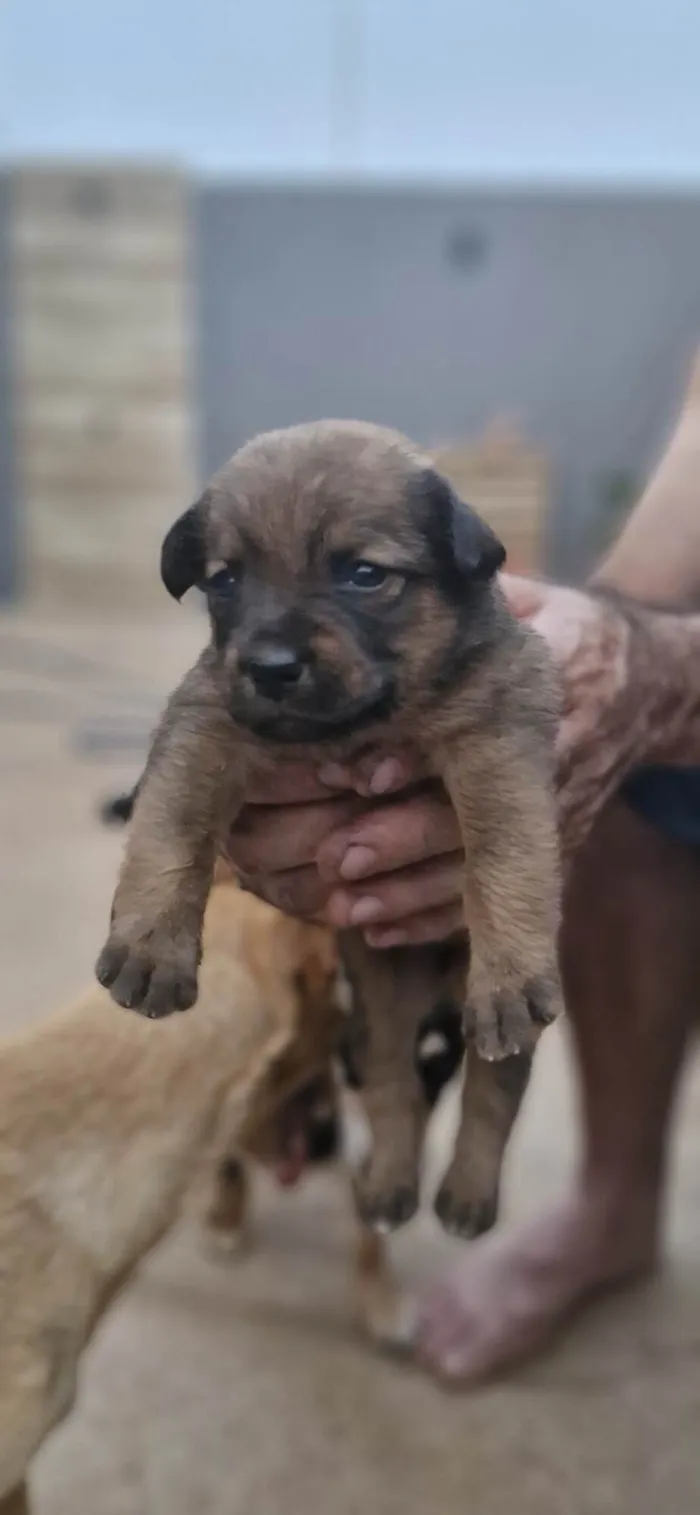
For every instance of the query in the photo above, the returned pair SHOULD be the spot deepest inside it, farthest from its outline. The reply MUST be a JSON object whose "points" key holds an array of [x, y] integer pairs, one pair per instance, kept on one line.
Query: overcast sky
{"points": [[515, 88]]}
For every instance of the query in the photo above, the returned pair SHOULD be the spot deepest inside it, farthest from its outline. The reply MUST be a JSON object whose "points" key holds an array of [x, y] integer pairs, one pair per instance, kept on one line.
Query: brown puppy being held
{"points": [[353, 600]]}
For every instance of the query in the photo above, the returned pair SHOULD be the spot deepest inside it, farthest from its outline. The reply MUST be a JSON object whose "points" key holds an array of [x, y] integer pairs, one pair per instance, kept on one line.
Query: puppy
{"points": [[103, 1123], [352, 599]]}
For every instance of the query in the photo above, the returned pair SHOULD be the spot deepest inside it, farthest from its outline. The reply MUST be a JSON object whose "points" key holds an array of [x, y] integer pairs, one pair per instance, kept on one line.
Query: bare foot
{"points": [[512, 1292]]}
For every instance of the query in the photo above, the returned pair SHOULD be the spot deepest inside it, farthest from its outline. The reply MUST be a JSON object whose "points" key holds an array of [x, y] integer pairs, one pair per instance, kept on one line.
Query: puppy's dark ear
{"points": [[461, 540], [119, 810], [182, 557], [477, 550]]}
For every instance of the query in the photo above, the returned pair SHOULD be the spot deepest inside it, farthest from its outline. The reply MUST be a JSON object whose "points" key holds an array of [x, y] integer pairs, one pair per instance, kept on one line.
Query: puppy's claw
{"points": [[467, 1218], [509, 1022], [109, 964], [544, 999], [384, 1213]]}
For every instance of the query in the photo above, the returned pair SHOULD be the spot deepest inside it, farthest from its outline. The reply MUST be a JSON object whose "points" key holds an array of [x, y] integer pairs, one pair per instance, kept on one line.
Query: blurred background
{"points": [[479, 222]]}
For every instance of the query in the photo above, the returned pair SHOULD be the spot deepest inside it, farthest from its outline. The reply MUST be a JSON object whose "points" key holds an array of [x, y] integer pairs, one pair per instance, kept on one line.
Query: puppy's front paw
{"points": [[509, 1021], [152, 974], [384, 1209], [463, 1215]]}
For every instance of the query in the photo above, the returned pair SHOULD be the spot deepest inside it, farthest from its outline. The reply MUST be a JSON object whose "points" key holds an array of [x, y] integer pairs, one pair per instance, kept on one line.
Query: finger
{"points": [[391, 897], [568, 618], [390, 837], [418, 930], [288, 783], [298, 891], [525, 597], [374, 773], [272, 838], [562, 616]]}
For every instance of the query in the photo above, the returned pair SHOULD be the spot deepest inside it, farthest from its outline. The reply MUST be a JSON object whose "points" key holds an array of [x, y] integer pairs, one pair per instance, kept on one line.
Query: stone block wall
{"points": [[102, 395]]}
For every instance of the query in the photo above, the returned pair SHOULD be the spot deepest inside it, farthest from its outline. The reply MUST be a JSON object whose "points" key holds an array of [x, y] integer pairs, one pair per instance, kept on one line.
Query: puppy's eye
{"points": [[224, 579], [358, 573]]}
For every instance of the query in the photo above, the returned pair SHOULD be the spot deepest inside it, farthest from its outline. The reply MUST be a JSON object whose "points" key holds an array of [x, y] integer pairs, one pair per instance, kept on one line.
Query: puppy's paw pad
{"points": [[384, 1212], [467, 1218]]}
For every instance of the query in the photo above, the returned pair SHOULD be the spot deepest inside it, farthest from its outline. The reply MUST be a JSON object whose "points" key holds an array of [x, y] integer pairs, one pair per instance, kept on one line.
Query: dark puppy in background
{"points": [[353, 600]]}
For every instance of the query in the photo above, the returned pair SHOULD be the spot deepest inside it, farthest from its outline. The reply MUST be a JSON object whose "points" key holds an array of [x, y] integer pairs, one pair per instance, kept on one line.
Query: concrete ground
{"points": [[224, 1390]]}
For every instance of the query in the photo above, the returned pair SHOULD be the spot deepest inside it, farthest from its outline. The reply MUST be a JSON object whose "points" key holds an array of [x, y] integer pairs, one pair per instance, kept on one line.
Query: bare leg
{"points": [[631, 966], [16, 1503], [657, 555]]}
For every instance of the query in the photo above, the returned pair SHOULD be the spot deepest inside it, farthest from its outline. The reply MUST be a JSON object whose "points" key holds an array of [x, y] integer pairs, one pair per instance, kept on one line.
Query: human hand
{"points": [[332, 847]]}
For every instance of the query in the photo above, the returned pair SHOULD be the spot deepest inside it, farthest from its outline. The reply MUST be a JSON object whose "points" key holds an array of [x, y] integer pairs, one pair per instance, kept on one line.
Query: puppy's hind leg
{"points": [[467, 1200], [227, 1218], [38, 1380], [392, 992], [384, 1311]]}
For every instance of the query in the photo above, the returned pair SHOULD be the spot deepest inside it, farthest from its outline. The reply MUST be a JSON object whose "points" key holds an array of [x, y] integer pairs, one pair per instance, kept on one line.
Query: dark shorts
{"points": [[669, 798]]}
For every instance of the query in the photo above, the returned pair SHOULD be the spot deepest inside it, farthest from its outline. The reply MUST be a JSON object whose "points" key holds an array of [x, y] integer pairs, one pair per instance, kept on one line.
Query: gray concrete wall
{"points": [[573, 315], [435, 311]]}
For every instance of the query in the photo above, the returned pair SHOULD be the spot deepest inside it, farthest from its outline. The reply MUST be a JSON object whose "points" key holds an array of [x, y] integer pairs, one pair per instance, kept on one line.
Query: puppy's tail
{"points": [[118, 810]]}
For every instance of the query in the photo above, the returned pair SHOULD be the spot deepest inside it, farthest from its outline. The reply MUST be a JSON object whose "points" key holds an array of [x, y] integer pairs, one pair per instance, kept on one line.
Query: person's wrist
{"points": [[600, 741], [667, 661]]}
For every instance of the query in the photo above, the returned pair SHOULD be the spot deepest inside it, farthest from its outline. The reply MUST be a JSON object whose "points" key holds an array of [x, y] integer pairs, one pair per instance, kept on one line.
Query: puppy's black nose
{"points": [[273, 667]]}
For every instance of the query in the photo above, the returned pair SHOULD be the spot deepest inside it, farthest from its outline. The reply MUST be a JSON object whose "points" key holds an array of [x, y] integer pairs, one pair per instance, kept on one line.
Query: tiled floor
{"points": [[222, 1391]]}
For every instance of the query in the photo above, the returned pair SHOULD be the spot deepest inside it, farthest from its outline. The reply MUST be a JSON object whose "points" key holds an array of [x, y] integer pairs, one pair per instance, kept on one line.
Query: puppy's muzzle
{"points": [[274, 668]]}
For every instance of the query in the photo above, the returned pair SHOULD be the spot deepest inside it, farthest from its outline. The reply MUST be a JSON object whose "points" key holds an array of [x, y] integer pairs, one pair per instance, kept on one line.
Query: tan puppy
{"points": [[353, 599], [103, 1122]]}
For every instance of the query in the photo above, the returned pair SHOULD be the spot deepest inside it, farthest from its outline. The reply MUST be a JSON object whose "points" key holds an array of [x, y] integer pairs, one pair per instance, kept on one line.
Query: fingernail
{"points": [[334, 776], [358, 862], [366, 909], [394, 938], [385, 777]]}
